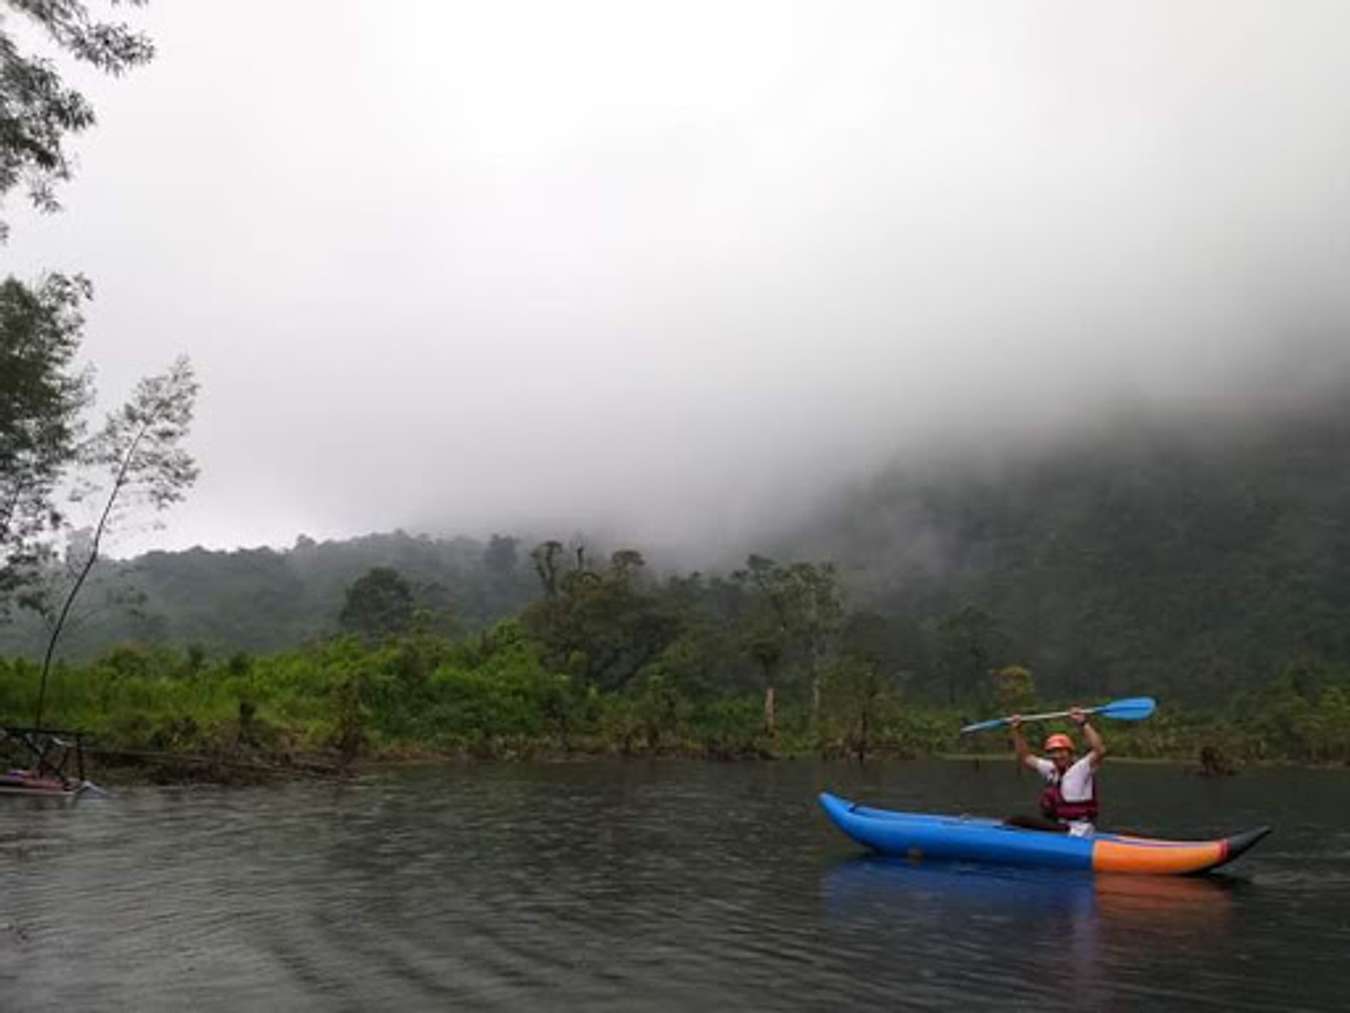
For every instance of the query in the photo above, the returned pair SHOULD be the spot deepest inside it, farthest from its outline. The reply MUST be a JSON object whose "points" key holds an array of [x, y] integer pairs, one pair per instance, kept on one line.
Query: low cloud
{"points": [[677, 272]]}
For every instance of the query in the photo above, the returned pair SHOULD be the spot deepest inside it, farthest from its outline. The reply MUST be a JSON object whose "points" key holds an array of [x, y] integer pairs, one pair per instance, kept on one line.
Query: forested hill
{"points": [[1188, 557], [1181, 558], [264, 599]]}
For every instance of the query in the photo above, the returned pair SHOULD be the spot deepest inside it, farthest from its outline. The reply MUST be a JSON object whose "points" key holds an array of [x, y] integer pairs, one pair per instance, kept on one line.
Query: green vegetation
{"points": [[378, 604], [1188, 563], [487, 695], [264, 600], [141, 450], [1208, 572], [658, 671], [1190, 559], [46, 452]]}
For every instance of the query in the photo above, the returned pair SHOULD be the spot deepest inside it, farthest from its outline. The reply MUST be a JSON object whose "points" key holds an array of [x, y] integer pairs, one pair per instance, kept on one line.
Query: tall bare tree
{"points": [[140, 452]]}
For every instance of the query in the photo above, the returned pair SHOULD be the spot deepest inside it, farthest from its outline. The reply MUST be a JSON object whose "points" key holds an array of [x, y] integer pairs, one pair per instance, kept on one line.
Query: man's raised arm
{"points": [[1024, 754], [1094, 739]]}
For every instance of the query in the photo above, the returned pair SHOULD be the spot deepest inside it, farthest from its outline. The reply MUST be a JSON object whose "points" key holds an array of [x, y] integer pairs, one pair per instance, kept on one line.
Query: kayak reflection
{"points": [[1053, 934], [871, 880]]}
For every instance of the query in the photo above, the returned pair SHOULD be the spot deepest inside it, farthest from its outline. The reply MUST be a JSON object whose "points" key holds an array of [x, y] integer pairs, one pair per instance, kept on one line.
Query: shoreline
{"points": [[131, 768]]}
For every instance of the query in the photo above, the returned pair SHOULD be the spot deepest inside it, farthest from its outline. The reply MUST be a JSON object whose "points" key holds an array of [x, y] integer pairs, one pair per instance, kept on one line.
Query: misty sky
{"points": [[671, 269]]}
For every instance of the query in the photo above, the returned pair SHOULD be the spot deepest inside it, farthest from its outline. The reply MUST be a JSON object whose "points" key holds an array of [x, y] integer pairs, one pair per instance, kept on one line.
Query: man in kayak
{"points": [[1069, 801]]}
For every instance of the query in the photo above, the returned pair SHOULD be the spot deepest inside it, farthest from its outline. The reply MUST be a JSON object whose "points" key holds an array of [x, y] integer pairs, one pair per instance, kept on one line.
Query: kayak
{"points": [[971, 839], [26, 782]]}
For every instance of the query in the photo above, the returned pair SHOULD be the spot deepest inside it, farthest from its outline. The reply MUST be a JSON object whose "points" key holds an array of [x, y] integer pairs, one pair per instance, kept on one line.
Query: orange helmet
{"points": [[1059, 741]]}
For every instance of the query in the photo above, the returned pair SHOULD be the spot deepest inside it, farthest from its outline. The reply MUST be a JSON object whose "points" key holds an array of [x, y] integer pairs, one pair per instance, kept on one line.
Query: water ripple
{"points": [[608, 886]]}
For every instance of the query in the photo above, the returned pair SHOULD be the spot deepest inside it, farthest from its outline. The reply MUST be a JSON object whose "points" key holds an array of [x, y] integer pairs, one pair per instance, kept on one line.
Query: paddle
{"points": [[1134, 708]]}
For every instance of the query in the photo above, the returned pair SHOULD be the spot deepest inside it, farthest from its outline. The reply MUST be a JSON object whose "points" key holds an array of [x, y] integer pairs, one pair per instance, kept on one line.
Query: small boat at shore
{"points": [[28, 782], [920, 836], [40, 761]]}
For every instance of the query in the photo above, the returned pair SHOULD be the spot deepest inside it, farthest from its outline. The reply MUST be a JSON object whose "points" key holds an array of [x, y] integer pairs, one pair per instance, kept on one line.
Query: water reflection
{"points": [[1055, 931], [866, 881]]}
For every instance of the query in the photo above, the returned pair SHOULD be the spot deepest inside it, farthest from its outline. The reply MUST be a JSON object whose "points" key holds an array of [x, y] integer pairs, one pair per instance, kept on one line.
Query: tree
{"points": [[603, 626], [433, 609], [37, 109], [766, 626], [861, 701], [140, 448], [378, 604], [817, 607], [41, 398], [765, 645], [1014, 689], [626, 565], [862, 683], [968, 641], [108, 595], [545, 558], [797, 608], [868, 636], [500, 555]]}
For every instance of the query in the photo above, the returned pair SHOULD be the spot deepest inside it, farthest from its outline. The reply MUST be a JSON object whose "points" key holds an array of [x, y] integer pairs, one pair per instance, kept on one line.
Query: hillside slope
{"points": [[1191, 558]]}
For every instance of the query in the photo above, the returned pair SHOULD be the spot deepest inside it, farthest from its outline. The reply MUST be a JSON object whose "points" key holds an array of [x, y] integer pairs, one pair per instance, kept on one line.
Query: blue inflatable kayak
{"points": [[970, 839]]}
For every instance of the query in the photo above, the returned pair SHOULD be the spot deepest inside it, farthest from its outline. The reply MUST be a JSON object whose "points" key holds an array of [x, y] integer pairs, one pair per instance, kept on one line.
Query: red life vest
{"points": [[1054, 806]]}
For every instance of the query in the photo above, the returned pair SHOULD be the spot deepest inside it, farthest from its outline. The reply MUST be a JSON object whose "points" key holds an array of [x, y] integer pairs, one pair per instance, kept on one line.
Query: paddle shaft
{"points": [[986, 726], [1133, 709], [1053, 714]]}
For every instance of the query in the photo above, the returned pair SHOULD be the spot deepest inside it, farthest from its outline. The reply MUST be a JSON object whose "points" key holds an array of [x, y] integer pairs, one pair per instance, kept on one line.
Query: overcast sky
{"points": [[675, 268]]}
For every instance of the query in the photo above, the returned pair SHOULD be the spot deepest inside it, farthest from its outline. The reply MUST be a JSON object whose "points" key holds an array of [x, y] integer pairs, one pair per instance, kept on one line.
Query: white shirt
{"points": [[1075, 785]]}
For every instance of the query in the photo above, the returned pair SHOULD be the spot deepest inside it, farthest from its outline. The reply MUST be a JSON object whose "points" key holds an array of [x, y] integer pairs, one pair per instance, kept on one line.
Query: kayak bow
{"points": [[971, 839]]}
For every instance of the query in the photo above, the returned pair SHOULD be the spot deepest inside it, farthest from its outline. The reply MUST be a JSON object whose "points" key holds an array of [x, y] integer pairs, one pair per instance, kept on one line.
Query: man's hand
{"points": [[1078, 716], [1015, 722]]}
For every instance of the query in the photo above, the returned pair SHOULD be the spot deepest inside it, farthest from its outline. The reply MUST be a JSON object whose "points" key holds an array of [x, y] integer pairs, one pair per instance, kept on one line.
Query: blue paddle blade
{"points": [[981, 726], [1135, 708]]}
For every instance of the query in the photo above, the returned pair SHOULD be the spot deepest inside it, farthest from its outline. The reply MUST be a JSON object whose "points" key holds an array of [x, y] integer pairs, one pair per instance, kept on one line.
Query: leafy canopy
{"points": [[378, 604], [42, 394], [41, 398], [37, 109]]}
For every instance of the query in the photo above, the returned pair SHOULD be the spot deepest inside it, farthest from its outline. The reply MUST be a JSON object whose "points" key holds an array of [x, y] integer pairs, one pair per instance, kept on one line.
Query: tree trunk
{"points": [[769, 725]]}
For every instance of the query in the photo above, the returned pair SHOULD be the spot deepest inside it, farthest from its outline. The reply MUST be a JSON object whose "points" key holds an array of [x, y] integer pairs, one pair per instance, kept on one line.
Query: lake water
{"points": [[662, 885]]}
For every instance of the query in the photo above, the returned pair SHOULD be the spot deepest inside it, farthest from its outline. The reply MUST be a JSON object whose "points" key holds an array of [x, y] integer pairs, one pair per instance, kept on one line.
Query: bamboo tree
{"points": [[140, 446], [818, 605], [766, 638]]}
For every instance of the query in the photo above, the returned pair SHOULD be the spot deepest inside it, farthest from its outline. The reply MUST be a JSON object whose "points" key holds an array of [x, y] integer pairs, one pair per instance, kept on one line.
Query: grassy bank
{"points": [[490, 696]]}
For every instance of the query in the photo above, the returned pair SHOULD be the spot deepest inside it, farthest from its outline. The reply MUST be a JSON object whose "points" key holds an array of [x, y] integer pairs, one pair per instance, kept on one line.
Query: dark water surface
{"points": [[663, 885]]}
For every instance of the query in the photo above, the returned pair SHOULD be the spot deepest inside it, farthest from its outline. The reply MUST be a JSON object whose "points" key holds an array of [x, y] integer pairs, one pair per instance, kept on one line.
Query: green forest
{"points": [[1196, 557], [1203, 566]]}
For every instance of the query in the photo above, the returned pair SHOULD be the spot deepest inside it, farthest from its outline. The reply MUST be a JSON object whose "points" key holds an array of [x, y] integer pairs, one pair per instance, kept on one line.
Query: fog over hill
{"points": [[1194, 556], [676, 272]]}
